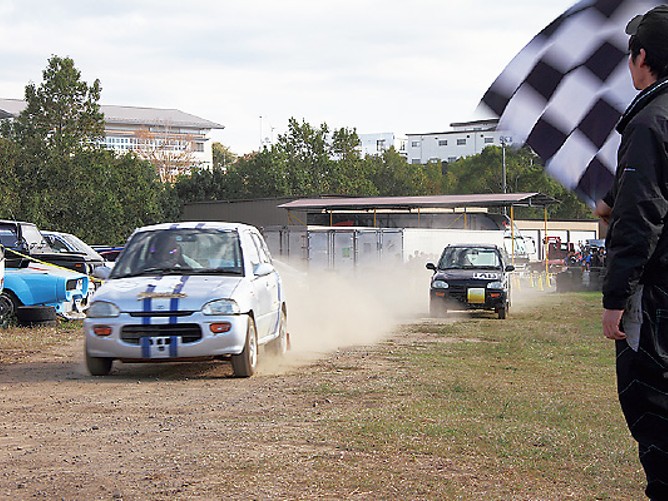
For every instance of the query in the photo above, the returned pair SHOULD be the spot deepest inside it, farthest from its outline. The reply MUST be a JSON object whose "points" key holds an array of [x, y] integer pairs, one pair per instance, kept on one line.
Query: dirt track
{"points": [[185, 431]]}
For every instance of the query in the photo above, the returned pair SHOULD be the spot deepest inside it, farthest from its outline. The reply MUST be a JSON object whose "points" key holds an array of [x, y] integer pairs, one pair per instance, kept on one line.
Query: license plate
{"points": [[159, 347], [476, 296]]}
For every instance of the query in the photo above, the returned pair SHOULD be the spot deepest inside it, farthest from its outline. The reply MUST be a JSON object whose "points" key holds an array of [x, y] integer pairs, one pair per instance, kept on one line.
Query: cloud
{"points": [[370, 64]]}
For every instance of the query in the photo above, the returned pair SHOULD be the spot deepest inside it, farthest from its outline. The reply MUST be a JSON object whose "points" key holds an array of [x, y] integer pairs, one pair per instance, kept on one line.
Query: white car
{"points": [[188, 291]]}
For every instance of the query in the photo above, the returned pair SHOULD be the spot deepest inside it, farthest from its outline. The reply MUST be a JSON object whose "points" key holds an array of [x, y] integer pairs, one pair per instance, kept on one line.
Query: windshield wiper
{"points": [[215, 271]]}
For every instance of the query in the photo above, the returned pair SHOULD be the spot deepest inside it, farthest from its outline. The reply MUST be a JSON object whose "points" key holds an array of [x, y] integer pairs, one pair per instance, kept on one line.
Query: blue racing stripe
{"points": [[145, 347], [146, 304], [174, 302], [173, 346]]}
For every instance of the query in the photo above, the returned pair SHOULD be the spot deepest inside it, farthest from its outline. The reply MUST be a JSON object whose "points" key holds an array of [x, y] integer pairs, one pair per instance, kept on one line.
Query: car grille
{"points": [[458, 292], [189, 333]]}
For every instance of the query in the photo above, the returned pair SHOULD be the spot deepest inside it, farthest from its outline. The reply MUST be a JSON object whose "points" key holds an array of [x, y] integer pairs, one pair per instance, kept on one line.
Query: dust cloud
{"points": [[328, 310]]}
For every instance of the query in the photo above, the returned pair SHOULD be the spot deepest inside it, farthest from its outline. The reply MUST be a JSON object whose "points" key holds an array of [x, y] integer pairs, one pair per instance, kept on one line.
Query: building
{"points": [[173, 140], [376, 144], [465, 139]]}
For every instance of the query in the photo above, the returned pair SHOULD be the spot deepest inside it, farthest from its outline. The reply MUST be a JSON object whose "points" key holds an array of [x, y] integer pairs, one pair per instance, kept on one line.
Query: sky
{"points": [[251, 65]]}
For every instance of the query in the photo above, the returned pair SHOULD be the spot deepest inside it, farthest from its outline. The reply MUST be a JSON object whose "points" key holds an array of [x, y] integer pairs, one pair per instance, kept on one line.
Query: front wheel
{"points": [[245, 363], [437, 308], [502, 312], [9, 303], [98, 366], [279, 346]]}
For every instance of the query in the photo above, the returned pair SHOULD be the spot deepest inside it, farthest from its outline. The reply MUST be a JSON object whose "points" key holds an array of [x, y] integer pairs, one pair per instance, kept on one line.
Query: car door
{"points": [[265, 286]]}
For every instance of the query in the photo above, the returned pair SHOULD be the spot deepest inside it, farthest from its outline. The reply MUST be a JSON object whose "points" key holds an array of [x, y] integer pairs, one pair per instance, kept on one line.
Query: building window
{"points": [[380, 145], [198, 147], [415, 144], [461, 142], [489, 140], [452, 159], [442, 142], [416, 161]]}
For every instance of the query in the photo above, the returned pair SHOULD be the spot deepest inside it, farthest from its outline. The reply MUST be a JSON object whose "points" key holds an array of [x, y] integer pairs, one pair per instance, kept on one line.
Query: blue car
{"points": [[43, 285]]}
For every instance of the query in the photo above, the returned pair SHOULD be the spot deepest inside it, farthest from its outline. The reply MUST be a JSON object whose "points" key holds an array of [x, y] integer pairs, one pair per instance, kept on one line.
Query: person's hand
{"points": [[602, 211], [611, 320]]}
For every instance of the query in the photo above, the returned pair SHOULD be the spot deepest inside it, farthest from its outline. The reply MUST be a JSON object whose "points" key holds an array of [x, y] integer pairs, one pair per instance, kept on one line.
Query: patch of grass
{"points": [[529, 410]]}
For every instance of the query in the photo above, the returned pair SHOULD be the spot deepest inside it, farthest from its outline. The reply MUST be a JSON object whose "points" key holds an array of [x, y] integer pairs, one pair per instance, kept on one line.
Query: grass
{"points": [[524, 408]]}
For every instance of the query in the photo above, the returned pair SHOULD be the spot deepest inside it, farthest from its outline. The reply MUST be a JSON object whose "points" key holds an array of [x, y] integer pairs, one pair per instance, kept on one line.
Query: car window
{"points": [[469, 257], [186, 250], [261, 247]]}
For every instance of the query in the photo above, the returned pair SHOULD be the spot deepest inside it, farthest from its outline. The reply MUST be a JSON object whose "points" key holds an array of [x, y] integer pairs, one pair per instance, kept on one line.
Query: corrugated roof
{"points": [[131, 115], [432, 201]]}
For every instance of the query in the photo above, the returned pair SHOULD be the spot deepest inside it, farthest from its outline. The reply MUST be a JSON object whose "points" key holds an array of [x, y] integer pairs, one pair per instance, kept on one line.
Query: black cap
{"points": [[651, 28]]}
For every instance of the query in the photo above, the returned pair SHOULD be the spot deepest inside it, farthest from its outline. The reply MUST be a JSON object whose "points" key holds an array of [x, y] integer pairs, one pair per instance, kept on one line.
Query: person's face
{"points": [[640, 73]]}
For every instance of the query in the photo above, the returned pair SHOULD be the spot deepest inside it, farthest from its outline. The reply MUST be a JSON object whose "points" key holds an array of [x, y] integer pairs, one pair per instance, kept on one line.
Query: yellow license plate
{"points": [[476, 296]]}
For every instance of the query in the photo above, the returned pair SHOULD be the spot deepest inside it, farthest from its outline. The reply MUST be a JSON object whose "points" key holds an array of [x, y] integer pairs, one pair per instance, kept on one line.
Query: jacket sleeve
{"points": [[640, 206]]}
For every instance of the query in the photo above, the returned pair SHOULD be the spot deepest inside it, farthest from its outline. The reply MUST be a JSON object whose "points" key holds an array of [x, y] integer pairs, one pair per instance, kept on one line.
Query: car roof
{"points": [[479, 246], [207, 225]]}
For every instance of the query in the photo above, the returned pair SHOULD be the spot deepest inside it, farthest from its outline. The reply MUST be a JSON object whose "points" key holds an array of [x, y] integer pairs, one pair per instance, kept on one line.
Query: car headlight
{"points": [[495, 285], [102, 309], [221, 307], [439, 284]]}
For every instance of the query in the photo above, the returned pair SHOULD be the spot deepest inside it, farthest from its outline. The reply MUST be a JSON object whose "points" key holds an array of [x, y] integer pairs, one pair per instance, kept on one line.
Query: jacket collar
{"points": [[640, 101]]}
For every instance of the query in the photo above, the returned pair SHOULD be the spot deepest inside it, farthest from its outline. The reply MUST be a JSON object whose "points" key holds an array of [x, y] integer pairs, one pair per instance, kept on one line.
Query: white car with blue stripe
{"points": [[188, 291]]}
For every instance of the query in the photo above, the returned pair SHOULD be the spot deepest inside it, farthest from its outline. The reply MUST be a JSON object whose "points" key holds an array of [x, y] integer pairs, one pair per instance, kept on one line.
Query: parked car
{"points": [[38, 286], [24, 242], [184, 291], [109, 253], [71, 244], [473, 276]]}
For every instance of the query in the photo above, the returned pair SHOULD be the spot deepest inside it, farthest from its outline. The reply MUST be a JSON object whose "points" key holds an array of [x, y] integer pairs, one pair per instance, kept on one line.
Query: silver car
{"points": [[188, 291]]}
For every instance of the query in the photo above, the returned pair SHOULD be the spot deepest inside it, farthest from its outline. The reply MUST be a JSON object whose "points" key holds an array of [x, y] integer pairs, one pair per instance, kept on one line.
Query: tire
{"points": [[245, 363], [437, 308], [279, 346], [502, 312], [8, 305], [98, 366], [36, 316]]}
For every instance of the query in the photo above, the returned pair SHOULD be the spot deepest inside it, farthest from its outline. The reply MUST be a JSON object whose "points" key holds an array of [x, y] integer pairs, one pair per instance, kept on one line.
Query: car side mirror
{"points": [[102, 272], [431, 266], [510, 267], [263, 269]]}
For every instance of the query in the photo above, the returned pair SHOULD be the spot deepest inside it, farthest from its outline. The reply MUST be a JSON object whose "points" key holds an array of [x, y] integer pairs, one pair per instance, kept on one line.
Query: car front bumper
{"points": [[157, 339], [470, 298]]}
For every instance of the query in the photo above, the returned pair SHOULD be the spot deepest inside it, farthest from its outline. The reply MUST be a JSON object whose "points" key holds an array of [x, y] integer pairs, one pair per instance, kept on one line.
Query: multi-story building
{"points": [[465, 139], [376, 144], [171, 139]]}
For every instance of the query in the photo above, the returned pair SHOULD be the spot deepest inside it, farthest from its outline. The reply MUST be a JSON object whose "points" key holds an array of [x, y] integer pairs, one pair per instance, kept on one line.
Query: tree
{"points": [[223, 157], [63, 178], [62, 114]]}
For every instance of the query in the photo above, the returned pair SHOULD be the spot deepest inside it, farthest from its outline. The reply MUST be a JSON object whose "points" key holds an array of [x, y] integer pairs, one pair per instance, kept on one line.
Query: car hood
{"points": [[169, 292], [470, 274], [37, 269]]}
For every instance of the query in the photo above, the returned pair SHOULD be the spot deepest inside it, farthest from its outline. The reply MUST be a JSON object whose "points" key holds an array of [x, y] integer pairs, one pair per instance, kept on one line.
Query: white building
{"points": [[153, 133], [465, 139], [376, 144]]}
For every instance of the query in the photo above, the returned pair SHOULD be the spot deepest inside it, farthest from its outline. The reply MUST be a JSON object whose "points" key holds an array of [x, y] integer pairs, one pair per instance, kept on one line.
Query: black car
{"points": [[470, 276], [23, 242]]}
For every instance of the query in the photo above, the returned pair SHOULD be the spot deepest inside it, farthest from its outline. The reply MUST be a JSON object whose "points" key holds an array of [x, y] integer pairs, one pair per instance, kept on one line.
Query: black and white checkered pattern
{"points": [[565, 91]]}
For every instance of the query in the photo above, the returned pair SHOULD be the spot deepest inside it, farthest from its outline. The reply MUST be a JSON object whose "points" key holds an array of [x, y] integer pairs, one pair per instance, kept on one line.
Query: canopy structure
{"points": [[538, 200]]}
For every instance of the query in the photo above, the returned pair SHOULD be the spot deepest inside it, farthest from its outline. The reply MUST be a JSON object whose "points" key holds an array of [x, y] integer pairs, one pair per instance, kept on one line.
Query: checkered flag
{"points": [[565, 91]]}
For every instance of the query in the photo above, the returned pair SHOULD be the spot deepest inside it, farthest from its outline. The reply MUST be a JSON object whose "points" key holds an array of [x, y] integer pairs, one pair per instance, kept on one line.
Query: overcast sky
{"points": [[373, 65]]}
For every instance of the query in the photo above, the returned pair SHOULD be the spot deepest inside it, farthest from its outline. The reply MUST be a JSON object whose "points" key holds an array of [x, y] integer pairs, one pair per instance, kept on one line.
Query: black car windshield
{"points": [[180, 250], [462, 258]]}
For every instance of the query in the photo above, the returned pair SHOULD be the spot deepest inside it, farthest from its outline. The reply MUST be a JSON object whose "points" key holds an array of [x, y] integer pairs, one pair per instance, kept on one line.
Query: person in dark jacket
{"points": [[635, 287]]}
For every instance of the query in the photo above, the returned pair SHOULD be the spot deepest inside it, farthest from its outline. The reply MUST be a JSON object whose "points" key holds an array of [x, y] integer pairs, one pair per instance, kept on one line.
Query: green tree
{"points": [[223, 158]]}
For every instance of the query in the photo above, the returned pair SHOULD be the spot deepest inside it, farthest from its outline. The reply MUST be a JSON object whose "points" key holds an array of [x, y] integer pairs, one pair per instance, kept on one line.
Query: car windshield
{"points": [[468, 258], [180, 251]]}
